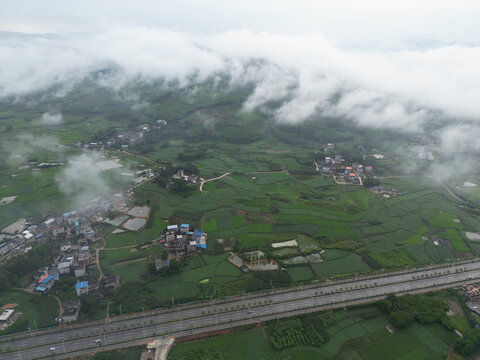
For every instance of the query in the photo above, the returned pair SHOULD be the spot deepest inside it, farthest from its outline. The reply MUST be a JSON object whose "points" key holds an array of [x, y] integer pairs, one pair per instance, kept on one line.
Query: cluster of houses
{"points": [[130, 137], [69, 225], [180, 241], [343, 173], [189, 179], [74, 259]]}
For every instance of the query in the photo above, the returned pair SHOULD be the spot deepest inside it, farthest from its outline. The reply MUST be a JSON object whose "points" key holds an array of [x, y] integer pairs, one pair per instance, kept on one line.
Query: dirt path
{"points": [[143, 182], [218, 177], [60, 306], [99, 267], [138, 156], [266, 172]]}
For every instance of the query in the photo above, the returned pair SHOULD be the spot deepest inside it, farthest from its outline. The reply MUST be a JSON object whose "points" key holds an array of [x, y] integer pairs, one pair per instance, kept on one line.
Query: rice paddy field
{"points": [[271, 195], [252, 212], [349, 228], [359, 333]]}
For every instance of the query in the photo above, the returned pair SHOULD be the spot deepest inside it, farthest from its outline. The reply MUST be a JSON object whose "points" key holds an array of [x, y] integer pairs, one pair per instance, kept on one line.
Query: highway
{"points": [[229, 312]]}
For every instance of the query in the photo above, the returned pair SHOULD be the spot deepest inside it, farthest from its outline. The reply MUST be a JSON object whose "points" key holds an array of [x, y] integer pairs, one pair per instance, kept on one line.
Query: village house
{"points": [[49, 223], [66, 247], [8, 318], [338, 159], [65, 265], [71, 309], [110, 282], [4, 248], [160, 264], [81, 287], [79, 269], [59, 232], [45, 283], [182, 241], [471, 291], [84, 255]]}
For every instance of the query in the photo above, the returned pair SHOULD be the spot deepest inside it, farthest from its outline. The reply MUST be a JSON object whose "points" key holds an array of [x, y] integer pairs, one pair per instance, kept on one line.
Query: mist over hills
{"points": [[264, 79]]}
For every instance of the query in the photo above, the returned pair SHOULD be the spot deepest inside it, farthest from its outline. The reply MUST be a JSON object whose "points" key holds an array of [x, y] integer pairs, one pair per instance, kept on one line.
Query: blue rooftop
{"points": [[41, 288], [46, 280], [184, 226], [81, 285], [70, 213], [84, 248]]}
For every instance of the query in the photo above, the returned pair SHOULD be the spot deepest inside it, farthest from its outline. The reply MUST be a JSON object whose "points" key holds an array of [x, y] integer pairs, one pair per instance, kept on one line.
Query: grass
{"points": [[417, 238], [300, 273], [234, 346], [445, 220], [210, 225], [115, 254], [151, 231], [238, 221], [455, 239], [129, 271], [39, 310], [393, 259], [120, 240], [345, 265]]}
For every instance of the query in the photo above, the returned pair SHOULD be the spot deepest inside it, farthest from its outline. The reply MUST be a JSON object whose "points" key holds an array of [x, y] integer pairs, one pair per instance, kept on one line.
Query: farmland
{"points": [[352, 230], [272, 193], [355, 333]]}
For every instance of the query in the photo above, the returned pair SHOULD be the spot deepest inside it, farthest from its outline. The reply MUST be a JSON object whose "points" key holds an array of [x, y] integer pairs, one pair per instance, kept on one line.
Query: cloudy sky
{"points": [[398, 64], [345, 20]]}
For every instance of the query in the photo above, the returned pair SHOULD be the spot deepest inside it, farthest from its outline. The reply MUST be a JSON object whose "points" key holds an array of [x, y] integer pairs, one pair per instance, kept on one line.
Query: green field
{"points": [[234, 346], [357, 333], [272, 193], [38, 311]]}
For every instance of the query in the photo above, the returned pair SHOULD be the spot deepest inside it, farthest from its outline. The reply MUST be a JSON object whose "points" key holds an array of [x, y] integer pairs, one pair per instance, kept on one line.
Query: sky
{"points": [[397, 64], [349, 21]]}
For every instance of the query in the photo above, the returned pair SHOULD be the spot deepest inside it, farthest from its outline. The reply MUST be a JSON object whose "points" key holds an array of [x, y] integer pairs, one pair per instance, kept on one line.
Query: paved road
{"points": [[235, 311]]}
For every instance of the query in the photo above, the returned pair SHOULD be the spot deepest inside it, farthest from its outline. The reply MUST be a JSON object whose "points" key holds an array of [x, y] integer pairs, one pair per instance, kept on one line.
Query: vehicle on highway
{"points": [[249, 312], [52, 348]]}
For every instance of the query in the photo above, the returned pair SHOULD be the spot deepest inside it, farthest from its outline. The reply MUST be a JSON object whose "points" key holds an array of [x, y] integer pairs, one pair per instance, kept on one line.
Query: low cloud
{"points": [[27, 147], [81, 179], [51, 118], [306, 74]]}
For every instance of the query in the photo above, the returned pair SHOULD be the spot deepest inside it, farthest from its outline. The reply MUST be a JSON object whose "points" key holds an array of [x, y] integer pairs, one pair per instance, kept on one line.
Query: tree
{"points": [[370, 182], [402, 319]]}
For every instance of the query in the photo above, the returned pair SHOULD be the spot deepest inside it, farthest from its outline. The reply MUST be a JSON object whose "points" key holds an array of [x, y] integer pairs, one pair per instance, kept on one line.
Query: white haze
{"points": [[51, 118], [395, 89], [81, 179]]}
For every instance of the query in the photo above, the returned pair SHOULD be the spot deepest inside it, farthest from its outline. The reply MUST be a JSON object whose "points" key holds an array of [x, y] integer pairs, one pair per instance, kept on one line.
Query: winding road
{"points": [[217, 178]]}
